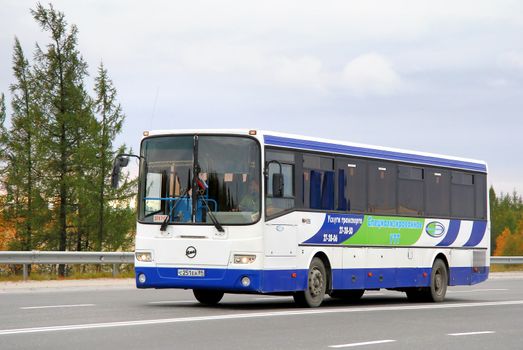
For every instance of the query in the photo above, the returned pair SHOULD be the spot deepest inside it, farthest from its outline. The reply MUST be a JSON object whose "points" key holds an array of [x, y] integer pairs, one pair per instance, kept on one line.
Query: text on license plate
{"points": [[191, 273]]}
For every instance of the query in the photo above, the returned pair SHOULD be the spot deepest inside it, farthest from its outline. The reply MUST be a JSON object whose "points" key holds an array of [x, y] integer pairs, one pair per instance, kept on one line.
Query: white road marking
{"points": [[172, 302], [478, 290], [363, 343], [53, 306], [320, 311], [471, 333]]}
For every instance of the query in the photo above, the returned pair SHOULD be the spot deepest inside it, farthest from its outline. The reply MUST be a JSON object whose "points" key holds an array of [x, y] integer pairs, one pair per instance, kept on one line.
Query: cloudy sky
{"points": [[436, 76]]}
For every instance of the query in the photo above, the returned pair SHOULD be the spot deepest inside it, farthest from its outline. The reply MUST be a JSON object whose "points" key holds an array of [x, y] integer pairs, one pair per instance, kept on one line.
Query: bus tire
{"points": [[438, 285], [316, 285], [439, 277], [208, 296], [347, 295]]}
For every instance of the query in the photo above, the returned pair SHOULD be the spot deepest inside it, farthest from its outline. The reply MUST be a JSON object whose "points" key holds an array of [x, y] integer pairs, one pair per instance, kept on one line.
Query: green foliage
{"points": [[110, 121], [506, 211], [58, 152], [25, 205], [3, 131]]}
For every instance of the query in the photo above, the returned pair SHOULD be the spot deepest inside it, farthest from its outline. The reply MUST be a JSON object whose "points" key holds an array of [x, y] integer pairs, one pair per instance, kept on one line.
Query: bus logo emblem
{"points": [[190, 252], [435, 229]]}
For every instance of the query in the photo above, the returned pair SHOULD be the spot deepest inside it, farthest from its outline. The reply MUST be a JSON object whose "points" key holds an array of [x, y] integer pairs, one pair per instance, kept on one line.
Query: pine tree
{"points": [[3, 131], [68, 134], [4, 238], [25, 205], [110, 124]]}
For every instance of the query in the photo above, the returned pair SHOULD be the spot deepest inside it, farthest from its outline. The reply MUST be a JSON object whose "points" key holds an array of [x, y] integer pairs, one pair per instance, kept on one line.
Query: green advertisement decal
{"points": [[387, 230]]}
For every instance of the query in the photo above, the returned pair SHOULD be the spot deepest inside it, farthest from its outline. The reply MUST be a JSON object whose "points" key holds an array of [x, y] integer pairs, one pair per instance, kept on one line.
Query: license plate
{"points": [[191, 273]]}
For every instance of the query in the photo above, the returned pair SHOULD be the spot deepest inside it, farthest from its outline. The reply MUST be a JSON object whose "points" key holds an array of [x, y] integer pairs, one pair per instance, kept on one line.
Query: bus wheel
{"points": [[438, 285], [208, 297], [347, 295], [438, 282], [316, 286]]}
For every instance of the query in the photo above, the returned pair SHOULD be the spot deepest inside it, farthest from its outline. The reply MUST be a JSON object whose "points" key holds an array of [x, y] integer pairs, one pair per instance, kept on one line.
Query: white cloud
{"points": [[371, 74]]}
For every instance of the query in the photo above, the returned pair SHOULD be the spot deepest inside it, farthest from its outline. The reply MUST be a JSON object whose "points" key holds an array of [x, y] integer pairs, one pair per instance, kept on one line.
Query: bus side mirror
{"points": [[277, 185], [119, 163]]}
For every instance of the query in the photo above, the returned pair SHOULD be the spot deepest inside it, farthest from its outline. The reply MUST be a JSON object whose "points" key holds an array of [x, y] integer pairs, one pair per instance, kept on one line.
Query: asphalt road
{"points": [[484, 316]]}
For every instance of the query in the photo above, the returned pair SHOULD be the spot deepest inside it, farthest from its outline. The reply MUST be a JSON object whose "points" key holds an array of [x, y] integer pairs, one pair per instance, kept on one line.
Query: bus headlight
{"points": [[244, 259], [144, 256]]}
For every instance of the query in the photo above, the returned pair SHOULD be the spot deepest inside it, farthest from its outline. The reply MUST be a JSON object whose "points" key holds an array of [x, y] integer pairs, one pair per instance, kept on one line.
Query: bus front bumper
{"points": [[230, 280]]}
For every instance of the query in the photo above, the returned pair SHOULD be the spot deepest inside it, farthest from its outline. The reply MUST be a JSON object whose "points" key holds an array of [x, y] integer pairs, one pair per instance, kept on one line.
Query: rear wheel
{"points": [[316, 286], [438, 282], [208, 297], [347, 295], [438, 285]]}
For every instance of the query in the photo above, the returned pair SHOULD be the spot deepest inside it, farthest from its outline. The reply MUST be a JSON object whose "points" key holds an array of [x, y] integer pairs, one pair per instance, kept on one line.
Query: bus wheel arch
{"points": [[439, 281], [318, 282], [328, 269]]}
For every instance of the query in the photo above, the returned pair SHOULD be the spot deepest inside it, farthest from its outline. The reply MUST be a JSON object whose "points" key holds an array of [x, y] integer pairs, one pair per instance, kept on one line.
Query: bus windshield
{"points": [[227, 177]]}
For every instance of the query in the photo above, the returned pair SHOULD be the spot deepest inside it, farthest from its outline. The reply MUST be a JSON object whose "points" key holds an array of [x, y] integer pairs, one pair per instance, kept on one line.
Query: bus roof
{"points": [[292, 141]]}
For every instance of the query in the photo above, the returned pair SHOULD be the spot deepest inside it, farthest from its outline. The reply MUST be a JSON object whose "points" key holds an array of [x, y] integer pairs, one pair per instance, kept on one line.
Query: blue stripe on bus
{"points": [[478, 232], [452, 233], [277, 281], [372, 153]]}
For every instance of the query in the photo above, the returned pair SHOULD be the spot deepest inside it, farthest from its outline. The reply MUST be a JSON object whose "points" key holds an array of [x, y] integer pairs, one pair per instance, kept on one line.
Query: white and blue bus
{"points": [[250, 211]]}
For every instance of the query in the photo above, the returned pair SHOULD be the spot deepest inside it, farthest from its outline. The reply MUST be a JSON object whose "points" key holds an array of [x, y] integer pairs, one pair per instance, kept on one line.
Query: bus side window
{"points": [[352, 184], [410, 190], [382, 188], [437, 192], [462, 194], [318, 182], [481, 195]]}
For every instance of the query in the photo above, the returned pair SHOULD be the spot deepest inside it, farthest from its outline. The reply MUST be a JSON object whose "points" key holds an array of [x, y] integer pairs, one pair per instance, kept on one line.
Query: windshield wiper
{"points": [[165, 222], [196, 189], [211, 215], [204, 200], [196, 173]]}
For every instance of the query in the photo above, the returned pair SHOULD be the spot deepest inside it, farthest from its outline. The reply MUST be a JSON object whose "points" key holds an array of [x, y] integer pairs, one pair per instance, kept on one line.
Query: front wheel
{"points": [[316, 286], [208, 297]]}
